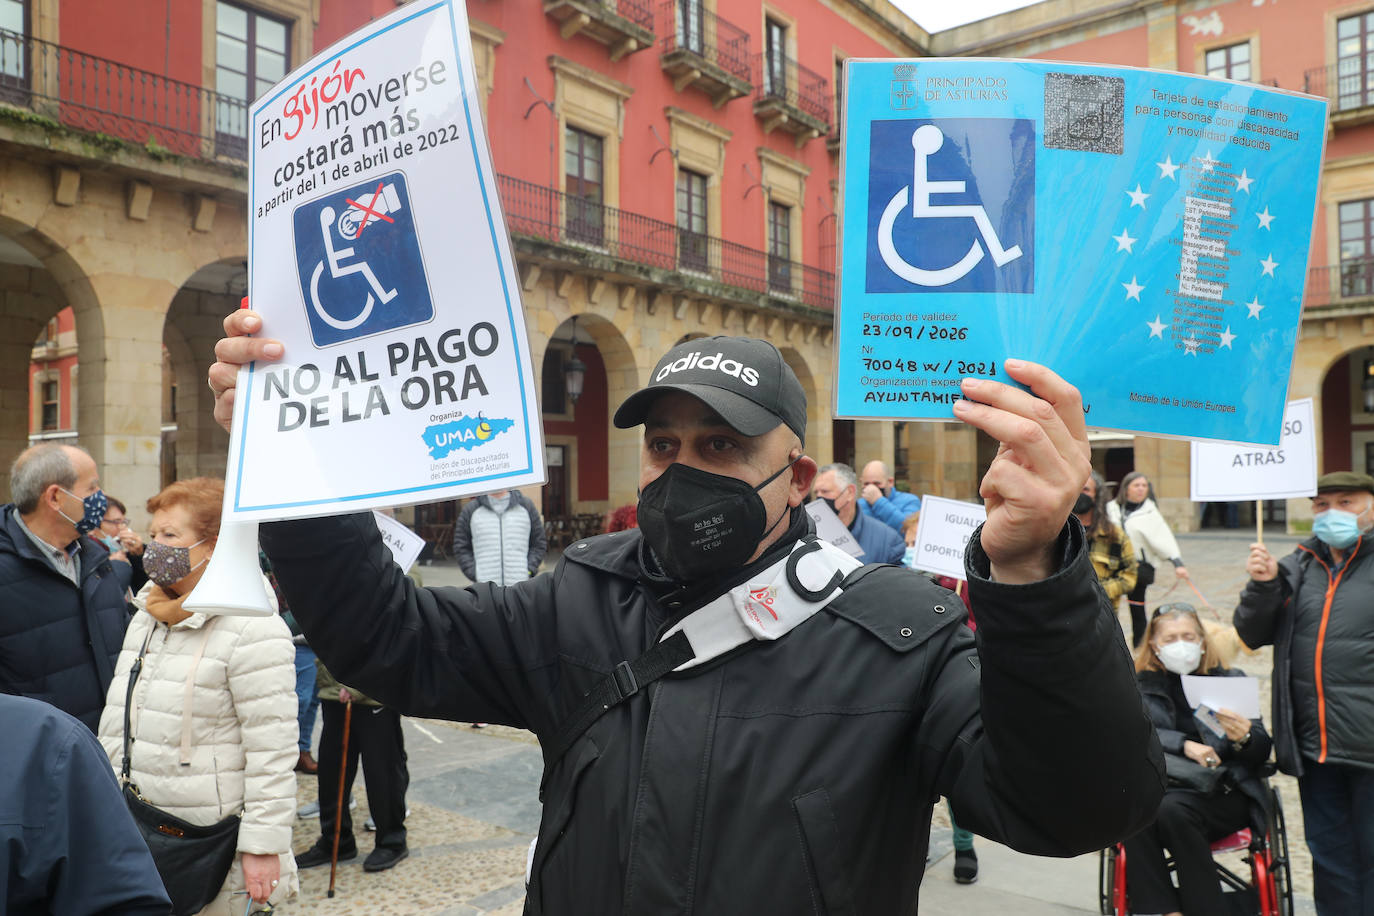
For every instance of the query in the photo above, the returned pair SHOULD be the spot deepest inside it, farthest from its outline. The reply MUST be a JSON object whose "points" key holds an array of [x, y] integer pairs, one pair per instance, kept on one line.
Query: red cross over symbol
{"points": [[368, 210]]}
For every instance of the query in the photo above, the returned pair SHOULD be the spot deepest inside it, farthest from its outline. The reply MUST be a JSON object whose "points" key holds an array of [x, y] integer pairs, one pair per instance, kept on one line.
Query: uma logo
{"points": [[951, 206], [465, 433], [747, 374]]}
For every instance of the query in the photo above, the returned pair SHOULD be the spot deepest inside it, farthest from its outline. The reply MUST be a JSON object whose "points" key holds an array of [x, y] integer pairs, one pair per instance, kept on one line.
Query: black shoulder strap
{"points": [[624, 681], [129, 703]]}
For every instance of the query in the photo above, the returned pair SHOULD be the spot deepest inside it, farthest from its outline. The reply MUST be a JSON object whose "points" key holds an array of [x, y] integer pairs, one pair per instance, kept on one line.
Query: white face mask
{"points": [[1180, 657]]}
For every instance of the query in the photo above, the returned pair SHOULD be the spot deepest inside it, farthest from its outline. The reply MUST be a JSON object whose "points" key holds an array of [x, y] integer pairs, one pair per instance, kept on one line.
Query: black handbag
{"points": [[1183, 773], [193, 860]]}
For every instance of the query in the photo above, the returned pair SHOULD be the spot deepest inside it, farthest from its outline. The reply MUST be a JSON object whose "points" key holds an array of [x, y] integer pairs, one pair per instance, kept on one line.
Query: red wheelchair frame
{"points": [[1267, 856]]}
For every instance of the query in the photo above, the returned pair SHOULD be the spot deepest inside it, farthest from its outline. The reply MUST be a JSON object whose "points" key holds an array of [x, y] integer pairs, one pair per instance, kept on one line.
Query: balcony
{"points": [[612, 240], [703, 51], [1348, 87], [90, 93], [625, 26], [1349, 285], [791, 98]]}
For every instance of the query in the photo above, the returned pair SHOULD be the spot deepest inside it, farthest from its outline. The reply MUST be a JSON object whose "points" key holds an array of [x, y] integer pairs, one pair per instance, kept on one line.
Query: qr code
{"points": [[1085, 112]]}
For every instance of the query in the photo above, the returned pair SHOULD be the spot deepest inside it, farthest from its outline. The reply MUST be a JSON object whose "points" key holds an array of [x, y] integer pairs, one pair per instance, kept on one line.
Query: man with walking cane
{"points": [[373, 732]]}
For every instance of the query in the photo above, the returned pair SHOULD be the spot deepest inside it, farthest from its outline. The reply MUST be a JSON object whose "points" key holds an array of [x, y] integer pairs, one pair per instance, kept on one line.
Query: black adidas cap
{"points": [[743, 379]]}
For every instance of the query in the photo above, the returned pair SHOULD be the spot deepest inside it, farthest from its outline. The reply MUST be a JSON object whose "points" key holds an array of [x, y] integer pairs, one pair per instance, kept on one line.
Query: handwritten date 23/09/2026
{"points": [[916, 331]]}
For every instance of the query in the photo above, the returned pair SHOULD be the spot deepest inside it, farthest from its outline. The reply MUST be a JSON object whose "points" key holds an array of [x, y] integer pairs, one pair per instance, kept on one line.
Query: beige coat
{"points": [[243, 741]]}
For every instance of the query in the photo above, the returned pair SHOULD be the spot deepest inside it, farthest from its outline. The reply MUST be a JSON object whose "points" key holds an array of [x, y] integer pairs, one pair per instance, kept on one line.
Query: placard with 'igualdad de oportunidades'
{"points": [[1143, 233], [379, 256]]}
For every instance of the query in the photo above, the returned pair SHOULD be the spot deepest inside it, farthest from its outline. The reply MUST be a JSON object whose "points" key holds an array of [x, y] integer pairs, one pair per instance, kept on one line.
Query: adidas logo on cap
{"points": [[717, 361]]}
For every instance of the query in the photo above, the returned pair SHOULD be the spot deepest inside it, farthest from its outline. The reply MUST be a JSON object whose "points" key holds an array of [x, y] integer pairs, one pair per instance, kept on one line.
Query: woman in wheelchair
{"points": [[1213, 779]]}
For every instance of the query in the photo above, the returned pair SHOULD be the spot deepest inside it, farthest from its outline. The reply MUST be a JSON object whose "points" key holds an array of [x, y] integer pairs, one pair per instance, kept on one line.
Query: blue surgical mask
{"points": [[93, 510], [1337, 528], [909, 558], [111, 544]]}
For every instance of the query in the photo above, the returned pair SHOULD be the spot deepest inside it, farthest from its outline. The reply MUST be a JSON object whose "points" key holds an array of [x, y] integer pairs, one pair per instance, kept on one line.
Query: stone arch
{"points": [[550, 300], [32, 293], [819, 444], [193, 323], [605, 461]]}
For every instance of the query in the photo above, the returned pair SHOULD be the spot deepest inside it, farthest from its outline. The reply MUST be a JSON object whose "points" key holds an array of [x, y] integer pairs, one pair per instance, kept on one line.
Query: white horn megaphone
{"points": [[232, 585]]}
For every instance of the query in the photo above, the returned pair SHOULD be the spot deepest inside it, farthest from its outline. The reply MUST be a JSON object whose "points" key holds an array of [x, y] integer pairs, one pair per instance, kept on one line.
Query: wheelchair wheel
{"points": [[1278, 858], [1106, 880], [1111, 882]]}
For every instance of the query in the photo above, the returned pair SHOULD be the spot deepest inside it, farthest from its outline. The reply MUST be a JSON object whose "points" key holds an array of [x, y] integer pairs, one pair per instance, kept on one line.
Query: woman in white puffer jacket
{"points": [[1135, 511], [242, 742]]}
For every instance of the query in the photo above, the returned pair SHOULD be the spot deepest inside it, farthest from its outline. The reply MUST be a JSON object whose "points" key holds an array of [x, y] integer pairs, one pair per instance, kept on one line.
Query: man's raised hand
{"points": [[1039, 469], [234, 350]]}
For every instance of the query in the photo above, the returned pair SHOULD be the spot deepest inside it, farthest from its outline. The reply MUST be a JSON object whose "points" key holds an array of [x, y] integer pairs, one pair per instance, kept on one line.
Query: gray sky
{"points": [[937, 15]]}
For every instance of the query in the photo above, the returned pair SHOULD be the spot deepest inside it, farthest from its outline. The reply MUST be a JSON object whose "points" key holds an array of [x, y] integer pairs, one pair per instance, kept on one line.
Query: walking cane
{"points": [[339, 808]]}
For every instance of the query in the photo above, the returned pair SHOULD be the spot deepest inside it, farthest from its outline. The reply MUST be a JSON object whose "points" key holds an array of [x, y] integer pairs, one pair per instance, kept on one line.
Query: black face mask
{"points": [[1084, 504], [701, 524]]}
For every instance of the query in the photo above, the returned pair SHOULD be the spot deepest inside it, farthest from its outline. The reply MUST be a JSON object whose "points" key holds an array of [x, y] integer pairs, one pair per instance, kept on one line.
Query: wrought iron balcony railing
{"points": [[690, 27], [1348, 283], [544, 213], [92, 93], [1349, 84], [782, 79]]}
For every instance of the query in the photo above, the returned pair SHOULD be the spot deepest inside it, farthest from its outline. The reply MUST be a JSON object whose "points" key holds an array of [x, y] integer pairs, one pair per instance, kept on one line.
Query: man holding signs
{"points": [[1315, 607], [667, 781]]}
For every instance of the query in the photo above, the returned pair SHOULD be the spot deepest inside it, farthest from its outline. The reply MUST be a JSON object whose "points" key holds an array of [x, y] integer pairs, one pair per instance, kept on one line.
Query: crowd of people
{"points": [[766, 653]]}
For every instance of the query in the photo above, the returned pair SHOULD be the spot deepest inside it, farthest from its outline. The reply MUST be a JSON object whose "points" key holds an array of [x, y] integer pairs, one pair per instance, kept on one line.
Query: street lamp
{"points": [[1367, 386], [575, 371]]}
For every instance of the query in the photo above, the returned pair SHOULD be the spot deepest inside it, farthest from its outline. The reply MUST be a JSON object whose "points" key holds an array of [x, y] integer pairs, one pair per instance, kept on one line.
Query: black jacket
{"points": [[67, 839], [1310, 618], [794, 776], [1241, 768], [58, 643]]}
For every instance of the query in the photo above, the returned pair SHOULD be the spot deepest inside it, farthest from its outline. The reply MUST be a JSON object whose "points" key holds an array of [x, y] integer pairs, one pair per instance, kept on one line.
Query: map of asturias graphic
{"points": [[466, 433]]}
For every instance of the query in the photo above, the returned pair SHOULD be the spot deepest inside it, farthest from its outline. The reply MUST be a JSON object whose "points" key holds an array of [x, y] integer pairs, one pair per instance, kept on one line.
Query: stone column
{"points": [[1168, 464], [1162, 35], [874, 440], [119, 395], [942, 460]]}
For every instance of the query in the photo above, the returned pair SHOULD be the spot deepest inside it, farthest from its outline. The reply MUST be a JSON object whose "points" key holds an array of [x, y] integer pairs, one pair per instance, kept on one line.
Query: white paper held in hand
{"points": [[1238, 694]]}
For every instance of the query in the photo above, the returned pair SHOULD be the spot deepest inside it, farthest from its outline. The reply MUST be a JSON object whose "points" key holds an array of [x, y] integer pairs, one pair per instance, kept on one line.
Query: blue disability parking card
{"points": [[1143, 233]]}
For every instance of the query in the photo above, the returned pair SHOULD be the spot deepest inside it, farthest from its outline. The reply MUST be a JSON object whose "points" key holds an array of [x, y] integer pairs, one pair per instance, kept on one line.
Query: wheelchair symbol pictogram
{"points": [[351, 224], [926, 140]]}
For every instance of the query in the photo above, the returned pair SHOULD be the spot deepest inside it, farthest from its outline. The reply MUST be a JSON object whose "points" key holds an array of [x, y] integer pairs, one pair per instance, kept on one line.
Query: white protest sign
{"points": [[1225, 473], [943, 532], [379, 256], [405, 545], [830, 528]]}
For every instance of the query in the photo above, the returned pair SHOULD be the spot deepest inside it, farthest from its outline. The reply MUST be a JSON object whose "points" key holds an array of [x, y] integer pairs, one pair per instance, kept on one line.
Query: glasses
{"points": [[1176, 607], [1179, 607], [119, 523]]}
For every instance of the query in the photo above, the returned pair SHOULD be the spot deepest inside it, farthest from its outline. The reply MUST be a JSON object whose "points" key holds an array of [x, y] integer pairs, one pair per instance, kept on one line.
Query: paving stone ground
{"points": [[474, 805]]}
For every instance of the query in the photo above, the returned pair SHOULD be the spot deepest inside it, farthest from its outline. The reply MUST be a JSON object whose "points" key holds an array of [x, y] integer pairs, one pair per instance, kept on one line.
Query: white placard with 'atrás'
{"points": [[379, 256], [405, 545], [1225, 473], [943, 532], [830, 528]]}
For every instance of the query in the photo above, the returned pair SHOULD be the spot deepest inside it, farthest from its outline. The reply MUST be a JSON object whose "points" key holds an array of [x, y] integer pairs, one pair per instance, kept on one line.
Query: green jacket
{"points": [[326, 688]]}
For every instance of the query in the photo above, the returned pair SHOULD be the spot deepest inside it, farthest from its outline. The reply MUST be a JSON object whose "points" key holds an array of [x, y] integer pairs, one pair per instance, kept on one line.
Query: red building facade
{"points": [[669, 169]]}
